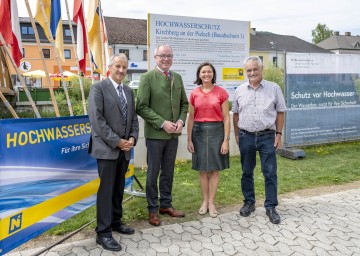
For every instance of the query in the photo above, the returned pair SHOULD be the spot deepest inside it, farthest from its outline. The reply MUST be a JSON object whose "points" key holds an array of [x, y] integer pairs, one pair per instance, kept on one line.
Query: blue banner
{"points": [[322, 98], [46, 174]]}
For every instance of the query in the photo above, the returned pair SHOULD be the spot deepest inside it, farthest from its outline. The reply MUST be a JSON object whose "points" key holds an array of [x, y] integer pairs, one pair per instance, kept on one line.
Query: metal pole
{"points": [[276, 55]]}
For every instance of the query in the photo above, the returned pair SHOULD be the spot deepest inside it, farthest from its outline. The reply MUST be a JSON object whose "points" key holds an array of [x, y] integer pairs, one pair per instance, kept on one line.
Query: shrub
{"points": [[75, 97], [275, 75]]}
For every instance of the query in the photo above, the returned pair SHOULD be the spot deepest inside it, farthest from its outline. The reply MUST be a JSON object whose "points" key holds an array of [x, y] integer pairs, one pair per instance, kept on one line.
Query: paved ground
{"points": [[319, 225]]}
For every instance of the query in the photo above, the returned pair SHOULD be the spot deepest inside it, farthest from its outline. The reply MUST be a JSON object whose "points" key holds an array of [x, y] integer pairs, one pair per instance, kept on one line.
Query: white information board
{"points": [[322, 93], [223, 43]]}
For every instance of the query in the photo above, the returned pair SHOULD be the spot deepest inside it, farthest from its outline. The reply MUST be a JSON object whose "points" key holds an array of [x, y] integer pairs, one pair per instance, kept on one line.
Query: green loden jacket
{"points": [[161, 98]]}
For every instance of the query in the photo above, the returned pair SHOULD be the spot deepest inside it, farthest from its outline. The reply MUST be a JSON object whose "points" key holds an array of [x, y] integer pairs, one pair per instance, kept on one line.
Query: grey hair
{"points": [[117, 55], [252, 59], [157, 48]]}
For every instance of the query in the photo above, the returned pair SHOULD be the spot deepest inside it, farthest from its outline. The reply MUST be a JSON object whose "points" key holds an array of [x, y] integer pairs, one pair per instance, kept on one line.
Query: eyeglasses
{"points": [[163, 56]]}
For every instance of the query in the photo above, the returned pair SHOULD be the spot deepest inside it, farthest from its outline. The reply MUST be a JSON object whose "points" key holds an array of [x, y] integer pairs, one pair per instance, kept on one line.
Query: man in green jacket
{"points": [[162, 103]]}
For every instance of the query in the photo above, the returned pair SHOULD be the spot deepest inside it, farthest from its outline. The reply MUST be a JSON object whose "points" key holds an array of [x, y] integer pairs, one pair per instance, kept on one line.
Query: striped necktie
{"points": [[123, 103]]}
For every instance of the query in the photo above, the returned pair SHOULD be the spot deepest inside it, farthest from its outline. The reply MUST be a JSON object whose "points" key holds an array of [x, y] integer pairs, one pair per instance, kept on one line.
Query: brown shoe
{"points": [[171, 212], [154, 219]]}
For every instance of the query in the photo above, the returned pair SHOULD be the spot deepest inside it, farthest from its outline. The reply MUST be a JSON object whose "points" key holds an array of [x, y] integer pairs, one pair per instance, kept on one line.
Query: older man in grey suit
{"points": [[115, 130]]}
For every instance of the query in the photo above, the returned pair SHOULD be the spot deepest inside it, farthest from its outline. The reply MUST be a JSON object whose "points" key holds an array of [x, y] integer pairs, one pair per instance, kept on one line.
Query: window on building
{"points": [[262, 59], [46, 53], [125, 51], [67, 54], [275, 61], [33, 82], [23, 50], [27, 30], [144, 54], [67, 32]]}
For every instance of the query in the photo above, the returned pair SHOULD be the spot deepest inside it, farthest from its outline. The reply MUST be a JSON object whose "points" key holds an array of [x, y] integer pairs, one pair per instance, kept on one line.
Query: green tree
{"points": [[320, 33]]}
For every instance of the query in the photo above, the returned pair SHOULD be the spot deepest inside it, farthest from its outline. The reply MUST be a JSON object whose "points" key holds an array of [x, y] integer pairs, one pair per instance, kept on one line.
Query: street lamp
{"points": [[274, 45]]}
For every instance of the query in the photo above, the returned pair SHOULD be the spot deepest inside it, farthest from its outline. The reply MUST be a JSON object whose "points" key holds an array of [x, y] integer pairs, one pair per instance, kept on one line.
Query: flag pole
{"points": [[51, 89], [5, 47], [77, 59], [51, 39], [106, 43], [88, 44], [102, 40]]}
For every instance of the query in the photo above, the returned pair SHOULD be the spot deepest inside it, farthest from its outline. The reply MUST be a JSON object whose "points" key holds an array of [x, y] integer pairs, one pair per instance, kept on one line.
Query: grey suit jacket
{"points": [[107, 123]]}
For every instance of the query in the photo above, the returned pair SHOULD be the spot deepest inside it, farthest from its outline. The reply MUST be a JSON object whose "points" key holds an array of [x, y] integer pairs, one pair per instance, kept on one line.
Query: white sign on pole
{"points": [[25, 66], [223, 43]]}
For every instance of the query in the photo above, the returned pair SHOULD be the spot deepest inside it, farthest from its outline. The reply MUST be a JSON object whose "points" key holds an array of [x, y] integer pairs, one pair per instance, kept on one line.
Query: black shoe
{"points": [[108, 243], [122, 229], [247, 209], [274, 217]]}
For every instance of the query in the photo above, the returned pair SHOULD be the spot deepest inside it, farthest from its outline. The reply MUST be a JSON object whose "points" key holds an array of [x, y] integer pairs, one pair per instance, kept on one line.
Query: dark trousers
{"points": [[110, 193], [248, 145], [161, 155]]}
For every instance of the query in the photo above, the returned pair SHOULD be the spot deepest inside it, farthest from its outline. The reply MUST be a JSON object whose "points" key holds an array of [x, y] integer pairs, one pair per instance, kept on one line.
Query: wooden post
{"points": [[20, 77], [7, 104]]}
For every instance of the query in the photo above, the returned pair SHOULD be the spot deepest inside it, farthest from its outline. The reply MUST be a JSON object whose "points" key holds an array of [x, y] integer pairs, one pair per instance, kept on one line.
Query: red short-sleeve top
{"points": [[207, 106]]}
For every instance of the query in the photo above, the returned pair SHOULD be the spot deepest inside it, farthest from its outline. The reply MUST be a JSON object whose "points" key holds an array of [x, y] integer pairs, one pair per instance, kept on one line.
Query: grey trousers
{"points": [[161, 155]]}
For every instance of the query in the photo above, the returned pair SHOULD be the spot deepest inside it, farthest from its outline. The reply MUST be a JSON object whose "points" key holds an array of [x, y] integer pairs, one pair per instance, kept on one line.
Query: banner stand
{"points": [[133, 192]]}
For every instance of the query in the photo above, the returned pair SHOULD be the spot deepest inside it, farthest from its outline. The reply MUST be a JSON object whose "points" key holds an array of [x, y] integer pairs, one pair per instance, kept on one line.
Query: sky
{"points": [[284, 17]]}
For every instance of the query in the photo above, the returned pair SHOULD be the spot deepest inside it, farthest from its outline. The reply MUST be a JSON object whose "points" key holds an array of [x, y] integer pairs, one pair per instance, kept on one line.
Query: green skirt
{"points": [[207, 138]]}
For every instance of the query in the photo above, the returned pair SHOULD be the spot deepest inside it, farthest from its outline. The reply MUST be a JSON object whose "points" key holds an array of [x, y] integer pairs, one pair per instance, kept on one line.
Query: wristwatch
{"points": [[280, 133]]}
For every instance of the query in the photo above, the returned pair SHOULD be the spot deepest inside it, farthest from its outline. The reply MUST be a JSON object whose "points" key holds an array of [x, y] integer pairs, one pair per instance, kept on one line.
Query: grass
{"points": [[323, 165]]}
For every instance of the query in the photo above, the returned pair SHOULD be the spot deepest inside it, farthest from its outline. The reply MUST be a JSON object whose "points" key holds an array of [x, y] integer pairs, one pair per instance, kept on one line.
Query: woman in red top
{"points": [[208, 133]]}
